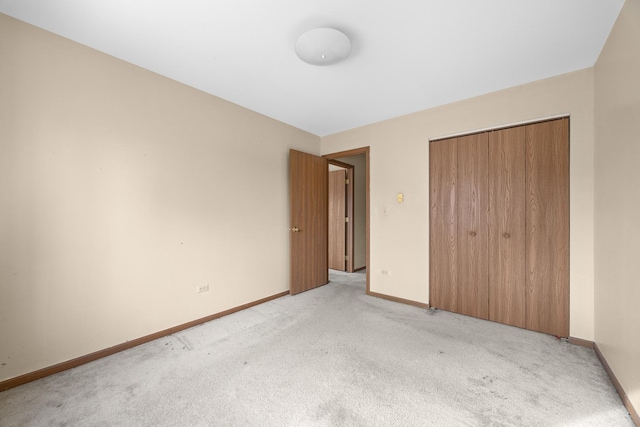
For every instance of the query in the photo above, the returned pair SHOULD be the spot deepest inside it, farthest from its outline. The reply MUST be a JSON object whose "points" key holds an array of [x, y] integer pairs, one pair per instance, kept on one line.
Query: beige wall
{"points": [[360, 208], [400, 163], [123, 191], [617, 206]]}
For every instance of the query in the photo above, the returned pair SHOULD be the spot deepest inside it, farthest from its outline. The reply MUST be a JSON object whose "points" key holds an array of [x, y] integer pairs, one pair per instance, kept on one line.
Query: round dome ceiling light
{"points": [[323, 46]]}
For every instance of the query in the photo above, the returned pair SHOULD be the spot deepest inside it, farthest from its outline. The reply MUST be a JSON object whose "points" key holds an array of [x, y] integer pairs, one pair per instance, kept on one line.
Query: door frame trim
{"points": [[354, 152]]}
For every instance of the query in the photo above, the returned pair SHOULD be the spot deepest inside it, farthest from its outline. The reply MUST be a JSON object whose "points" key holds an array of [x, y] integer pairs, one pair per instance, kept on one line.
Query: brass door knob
{"points": [[295, 229]]}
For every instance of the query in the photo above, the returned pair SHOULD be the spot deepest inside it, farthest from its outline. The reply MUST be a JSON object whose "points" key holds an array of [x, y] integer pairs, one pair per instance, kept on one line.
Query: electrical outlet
{"points": [[203, 288]]}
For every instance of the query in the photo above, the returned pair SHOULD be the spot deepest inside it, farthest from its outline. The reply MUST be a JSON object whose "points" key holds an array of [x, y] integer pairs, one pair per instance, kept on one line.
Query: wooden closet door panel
{"points": [[443, 225], [547, 270], [472, 201], [507, 226]]}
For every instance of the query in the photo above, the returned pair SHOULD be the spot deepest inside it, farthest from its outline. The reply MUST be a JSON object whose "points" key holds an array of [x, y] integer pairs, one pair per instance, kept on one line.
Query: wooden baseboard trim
{"points": [[359, 269], [73, 363], [400, 300], [581, 342], [623, 395]]}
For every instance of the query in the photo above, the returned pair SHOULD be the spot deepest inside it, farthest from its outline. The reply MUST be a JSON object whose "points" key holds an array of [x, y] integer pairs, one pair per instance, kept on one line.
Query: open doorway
{"points": [[358, 161], [341, 216]]}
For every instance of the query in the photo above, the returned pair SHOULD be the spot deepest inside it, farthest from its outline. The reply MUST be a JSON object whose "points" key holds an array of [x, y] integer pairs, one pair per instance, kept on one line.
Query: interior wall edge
{"points": [[617, 200], [580, 342], [621, 392], [399, 300]]}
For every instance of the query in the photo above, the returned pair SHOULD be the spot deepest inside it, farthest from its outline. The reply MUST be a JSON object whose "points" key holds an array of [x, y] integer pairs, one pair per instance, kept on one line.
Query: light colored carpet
{"points": [[332, 357]]}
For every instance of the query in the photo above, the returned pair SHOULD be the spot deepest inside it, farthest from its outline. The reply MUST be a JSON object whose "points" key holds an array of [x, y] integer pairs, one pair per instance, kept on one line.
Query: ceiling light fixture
{"points": [[323, 46]]}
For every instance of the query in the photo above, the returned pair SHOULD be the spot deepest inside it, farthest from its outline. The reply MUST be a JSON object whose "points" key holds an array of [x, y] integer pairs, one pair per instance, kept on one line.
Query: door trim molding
{"points": [[355, 152]]}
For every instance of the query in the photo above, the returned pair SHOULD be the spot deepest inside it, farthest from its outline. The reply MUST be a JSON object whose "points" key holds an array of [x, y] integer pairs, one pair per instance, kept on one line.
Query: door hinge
{"points": [[346, 219], [346, 257], [346, 181]]}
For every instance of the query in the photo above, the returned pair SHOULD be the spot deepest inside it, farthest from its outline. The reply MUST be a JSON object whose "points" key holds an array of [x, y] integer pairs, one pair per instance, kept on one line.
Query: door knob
{"points": [[295, 229], [506, 235], [472, 234]]}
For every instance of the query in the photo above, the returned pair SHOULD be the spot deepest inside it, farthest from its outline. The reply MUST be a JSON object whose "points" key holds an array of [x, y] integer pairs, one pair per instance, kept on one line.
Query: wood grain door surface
{"points": [[499, 226], [309, 221], [473, 228], [547, 257], [443, 225], [507, 226], [337, 215]]}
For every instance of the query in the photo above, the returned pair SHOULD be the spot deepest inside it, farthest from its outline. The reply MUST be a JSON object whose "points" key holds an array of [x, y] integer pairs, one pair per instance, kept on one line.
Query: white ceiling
{"points": [[408, 55]]}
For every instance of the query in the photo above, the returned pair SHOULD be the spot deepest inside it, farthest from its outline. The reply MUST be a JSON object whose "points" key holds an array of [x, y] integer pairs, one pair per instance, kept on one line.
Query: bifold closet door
{"points": [[499, 226], [443, 223], [507, 169], [547, 247], [473, 240], [458, 225]]}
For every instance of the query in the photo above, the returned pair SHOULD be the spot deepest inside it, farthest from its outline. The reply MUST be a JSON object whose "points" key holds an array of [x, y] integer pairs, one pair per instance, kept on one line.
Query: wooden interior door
{"points": [[507, 226], [337, 216], [443, 223], [309, 221], [473, 228], [547, 248]]}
